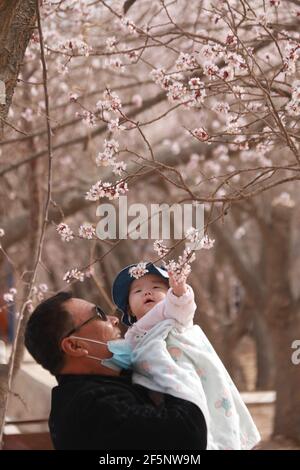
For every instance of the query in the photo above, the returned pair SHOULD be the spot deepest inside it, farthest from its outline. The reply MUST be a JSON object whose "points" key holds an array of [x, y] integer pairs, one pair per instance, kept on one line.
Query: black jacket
{"points": [[105, 413]]}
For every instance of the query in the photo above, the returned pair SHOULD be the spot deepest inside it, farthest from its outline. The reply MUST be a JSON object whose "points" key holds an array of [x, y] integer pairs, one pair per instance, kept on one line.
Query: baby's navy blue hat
{"points": [[121, 284]]}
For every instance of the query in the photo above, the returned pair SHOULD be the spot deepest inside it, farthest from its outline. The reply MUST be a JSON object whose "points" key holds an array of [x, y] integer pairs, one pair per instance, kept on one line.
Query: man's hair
{"points": [[45, 329]]}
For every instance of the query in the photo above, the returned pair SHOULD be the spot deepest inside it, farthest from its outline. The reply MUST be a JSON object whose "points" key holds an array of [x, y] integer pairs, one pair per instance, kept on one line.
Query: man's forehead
{"points": [[80, 309]]}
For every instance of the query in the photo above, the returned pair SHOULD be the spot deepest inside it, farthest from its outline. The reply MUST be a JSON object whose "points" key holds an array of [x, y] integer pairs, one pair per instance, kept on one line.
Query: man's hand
{"points": [[178, 288]]}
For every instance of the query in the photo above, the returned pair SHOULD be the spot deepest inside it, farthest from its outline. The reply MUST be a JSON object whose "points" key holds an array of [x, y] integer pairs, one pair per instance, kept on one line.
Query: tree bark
{"points": [[17, 20], [283, 320], [265, 367]]}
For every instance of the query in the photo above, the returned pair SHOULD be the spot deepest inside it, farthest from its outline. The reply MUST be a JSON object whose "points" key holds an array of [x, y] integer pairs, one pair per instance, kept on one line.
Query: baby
{"points": [[169, 354]]}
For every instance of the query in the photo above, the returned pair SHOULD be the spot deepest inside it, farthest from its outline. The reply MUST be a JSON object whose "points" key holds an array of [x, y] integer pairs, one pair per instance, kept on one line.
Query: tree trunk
{"points": [[265, 366], [287, 380], [284, 324], [17, 20]]}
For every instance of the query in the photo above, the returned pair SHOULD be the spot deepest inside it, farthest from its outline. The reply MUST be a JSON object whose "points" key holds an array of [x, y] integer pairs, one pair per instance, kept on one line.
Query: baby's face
{"points": [[146, 292]]}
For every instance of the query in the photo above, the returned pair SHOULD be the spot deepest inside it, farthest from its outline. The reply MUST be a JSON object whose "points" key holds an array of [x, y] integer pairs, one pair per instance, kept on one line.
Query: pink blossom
{"points": [[43, 287], [137, 100], [128, 25], [231, 40], [110, 102], [65, 232], [181, 269], [176, 91], [111, 43], [160, 248], [186, 62], [73, 274], [207, 243], [87, 231], [193, 235], [114, 125], [210, 69], [73, 97], [201, 134], [139, 270], [109, 190], [132, 55], [119, 167], [8, 298]]}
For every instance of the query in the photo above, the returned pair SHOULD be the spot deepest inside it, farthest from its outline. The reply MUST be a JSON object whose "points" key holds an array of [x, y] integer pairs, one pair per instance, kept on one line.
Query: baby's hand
{"points": [[178, 288]]}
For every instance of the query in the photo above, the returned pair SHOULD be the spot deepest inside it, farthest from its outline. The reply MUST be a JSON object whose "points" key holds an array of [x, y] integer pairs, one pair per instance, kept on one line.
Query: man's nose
{"points": [[114, 320]]}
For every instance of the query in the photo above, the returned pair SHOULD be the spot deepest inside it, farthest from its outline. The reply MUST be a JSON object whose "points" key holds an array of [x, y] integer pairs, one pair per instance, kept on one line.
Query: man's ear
{"points": [[73, 347]]}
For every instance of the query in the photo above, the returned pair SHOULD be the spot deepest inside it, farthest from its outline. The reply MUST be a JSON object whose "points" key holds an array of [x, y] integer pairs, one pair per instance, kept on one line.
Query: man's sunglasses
{"points": [[99, 315]]}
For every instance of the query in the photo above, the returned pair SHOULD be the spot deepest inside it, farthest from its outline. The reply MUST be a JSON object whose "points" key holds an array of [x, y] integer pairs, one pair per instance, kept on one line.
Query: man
{"points": [[94, 406]]}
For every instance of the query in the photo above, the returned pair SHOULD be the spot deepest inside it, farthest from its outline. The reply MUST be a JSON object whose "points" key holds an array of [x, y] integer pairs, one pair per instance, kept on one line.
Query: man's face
{"points": [[96, 329], [145, 293]]}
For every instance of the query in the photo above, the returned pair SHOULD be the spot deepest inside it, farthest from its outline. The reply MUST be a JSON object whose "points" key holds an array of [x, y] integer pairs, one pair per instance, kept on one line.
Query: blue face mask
{"points": [[121, 350]]}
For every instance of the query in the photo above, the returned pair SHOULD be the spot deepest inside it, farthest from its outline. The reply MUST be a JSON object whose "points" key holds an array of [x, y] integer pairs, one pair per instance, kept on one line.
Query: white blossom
{"points": [[111, 43], [139, 270], [8, 298], [128, 25], [239, 233], [110, 102], [27, 114], [181, 269], [65, 232], [193, 235], [201, 134], [114, 125], [137, 100], [73, 97], [73, 274], [119, 167], [206, 243], [43, 288], [160, 248], [284, 199], [106, 189], [186, 62], [87, 230]]}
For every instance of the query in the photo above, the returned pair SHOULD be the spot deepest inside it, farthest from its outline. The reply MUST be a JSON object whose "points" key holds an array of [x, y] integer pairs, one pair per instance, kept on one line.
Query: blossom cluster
{"points": [[106, 189], [139, 270], [201, 134], [65, 232], [107, 157], [74, 274], [87, 117], [9, 296], [191, 95], [293, 107], [87, 231], [128, 25], [39, 291], [75, 44], [160, 248], [110, 102], [181, 269]]}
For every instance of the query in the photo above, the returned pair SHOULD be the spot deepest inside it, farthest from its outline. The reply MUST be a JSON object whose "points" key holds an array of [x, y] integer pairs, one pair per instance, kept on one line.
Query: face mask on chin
{"points": [[121, 353]]}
